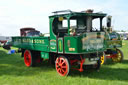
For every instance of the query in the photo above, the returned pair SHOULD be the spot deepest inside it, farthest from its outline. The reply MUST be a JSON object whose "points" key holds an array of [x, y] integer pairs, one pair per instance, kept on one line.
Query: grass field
{"points": [[14, 72]]}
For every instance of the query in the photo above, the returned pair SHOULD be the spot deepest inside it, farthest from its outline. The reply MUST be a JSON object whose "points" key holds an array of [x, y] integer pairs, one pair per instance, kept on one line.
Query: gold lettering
{"points": [[71, 49]]}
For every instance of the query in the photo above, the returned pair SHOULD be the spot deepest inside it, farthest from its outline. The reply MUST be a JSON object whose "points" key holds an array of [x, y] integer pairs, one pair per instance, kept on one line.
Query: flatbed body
{"points": [[83, 44], [32, 43]]}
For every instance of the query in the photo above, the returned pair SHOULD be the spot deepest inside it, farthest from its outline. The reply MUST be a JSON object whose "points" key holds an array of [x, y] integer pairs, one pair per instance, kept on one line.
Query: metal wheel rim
{"points": [[118, 57], [62, 66], [27, 58]]}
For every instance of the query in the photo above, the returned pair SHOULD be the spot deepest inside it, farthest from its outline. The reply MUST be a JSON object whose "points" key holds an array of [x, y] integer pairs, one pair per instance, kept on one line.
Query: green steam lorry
{"points": [[73, 42]]}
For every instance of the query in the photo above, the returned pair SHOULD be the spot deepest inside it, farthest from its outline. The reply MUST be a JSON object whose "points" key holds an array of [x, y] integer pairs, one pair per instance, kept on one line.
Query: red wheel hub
{"points": [[61, 66], [27, 58]]}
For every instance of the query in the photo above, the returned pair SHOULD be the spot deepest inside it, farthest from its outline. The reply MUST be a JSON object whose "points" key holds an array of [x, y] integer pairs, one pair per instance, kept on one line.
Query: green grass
{"points": [[14, 72]]}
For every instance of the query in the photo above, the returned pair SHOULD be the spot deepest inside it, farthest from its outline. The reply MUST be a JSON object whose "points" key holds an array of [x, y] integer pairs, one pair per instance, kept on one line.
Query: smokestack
{"points": [[109, 19]]}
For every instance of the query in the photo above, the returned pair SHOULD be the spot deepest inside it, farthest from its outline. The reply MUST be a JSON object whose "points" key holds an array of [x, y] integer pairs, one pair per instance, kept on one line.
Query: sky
{"points": [[16, 14]]}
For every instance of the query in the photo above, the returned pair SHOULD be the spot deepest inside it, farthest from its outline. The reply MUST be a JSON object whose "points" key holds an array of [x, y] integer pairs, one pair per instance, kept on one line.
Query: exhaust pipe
{"points": [[109, 19]]}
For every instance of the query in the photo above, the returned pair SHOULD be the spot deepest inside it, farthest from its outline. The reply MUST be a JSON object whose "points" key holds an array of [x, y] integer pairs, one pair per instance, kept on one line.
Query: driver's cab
{"points": [[74, 24]]}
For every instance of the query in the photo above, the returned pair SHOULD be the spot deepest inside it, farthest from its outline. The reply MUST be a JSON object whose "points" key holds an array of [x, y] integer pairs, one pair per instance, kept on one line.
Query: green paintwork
{"points": [[32, 43], [45, 55], [53, 42], [79, 14], [85, 43], [60, 45]]}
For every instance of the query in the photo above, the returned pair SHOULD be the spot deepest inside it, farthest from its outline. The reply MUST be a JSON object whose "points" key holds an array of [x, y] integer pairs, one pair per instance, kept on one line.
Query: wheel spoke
{"points": [[63, 67], [58, 69], [57, 64], [62, 62], [62, 70]]}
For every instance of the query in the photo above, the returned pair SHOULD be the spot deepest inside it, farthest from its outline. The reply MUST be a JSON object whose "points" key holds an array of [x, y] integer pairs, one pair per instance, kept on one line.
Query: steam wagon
{"points": [[74, 42]]}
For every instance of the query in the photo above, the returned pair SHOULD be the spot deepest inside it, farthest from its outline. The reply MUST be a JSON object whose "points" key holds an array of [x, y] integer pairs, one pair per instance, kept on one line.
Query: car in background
{"points": [[7, 45]]}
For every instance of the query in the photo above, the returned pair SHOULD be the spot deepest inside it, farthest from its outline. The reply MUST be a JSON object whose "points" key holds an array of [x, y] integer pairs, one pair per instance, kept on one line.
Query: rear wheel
{"points": [[28, 58], [62, 65], [118, 57]]}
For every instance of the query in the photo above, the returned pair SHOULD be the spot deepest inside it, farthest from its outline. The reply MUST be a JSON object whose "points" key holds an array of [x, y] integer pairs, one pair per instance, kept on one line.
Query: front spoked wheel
{"points": [[62, 65]]}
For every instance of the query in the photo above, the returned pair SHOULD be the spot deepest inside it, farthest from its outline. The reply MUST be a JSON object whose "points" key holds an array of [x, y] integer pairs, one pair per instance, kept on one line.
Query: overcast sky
{"points": [[15, 14]]}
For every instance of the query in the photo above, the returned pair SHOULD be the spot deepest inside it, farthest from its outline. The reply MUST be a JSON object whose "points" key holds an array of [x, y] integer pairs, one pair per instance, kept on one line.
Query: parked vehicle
{"points": [[113, 42], [29, 31], [3, 41], [73, 42], [7, 45]]}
